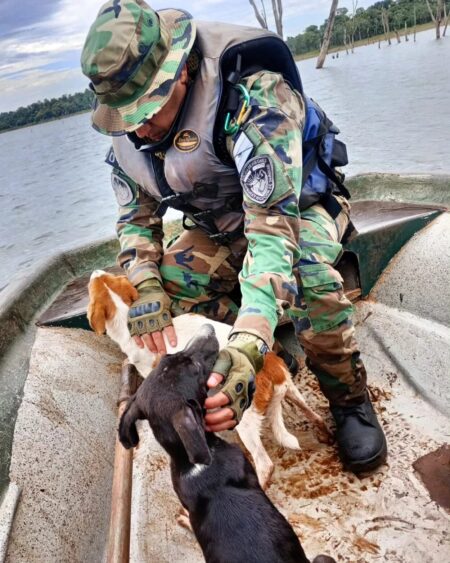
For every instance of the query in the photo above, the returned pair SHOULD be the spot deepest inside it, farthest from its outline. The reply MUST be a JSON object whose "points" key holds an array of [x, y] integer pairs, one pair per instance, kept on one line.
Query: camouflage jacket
{"points": [[273, 125]]}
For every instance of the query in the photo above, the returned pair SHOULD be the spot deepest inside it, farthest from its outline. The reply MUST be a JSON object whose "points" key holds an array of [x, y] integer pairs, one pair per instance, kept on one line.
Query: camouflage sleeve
{"points": [[267, 152], [138, 228]]}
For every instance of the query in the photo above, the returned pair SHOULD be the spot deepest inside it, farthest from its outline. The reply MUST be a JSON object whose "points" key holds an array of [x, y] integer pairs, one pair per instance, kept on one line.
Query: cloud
{"points": [[15, 16], [39, 41]]}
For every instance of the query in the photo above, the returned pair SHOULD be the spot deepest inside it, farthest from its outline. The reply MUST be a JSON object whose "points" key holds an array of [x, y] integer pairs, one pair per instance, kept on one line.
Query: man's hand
{"points": [[237, 364], [149, 318]]}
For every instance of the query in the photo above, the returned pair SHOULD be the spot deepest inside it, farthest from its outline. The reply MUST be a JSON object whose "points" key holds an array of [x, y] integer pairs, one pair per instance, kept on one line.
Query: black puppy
{"points": [[232, 518]]}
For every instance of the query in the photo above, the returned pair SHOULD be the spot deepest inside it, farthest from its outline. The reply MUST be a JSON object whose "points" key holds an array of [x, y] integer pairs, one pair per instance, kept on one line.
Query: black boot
{"points": [[361, 441]]}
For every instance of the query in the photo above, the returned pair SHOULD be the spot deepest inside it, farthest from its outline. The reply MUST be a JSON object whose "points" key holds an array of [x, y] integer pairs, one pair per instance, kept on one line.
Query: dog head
{"points": [[171, 399], [101, 306]]}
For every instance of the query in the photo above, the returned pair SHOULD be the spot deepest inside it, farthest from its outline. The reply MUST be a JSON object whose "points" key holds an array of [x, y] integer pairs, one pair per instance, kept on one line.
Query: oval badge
{"points": [[186, 140]]}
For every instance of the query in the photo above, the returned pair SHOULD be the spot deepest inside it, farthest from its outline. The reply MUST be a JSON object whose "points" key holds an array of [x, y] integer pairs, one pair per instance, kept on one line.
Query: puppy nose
{"points": [[206, 331]]}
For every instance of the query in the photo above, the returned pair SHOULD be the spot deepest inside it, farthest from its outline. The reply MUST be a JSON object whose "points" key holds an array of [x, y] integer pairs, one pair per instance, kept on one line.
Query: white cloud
{"points": [[54, 40]]}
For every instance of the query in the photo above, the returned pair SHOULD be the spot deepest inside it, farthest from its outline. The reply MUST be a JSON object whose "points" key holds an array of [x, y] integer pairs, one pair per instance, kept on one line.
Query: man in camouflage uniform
{"points": [[157, 82]]}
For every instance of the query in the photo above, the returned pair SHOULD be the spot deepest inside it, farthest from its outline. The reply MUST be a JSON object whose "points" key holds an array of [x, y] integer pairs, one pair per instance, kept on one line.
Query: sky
{"points": [[41, 41]]}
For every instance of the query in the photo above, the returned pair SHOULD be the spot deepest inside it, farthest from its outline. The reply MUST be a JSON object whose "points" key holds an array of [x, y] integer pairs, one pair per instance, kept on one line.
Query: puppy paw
{"points": [[264, 476], [290, 442], [182, 520]]}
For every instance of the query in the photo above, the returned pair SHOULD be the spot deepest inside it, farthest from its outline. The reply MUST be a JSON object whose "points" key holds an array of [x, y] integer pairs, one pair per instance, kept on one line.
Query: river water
{"points": [[391, 104]]}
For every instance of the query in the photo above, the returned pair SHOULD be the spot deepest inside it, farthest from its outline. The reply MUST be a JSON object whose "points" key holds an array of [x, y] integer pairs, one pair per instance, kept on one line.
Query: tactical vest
{"points": [[191, 177]]}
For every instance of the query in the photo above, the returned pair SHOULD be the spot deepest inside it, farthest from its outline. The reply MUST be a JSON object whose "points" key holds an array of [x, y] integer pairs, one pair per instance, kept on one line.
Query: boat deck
{"points": [[63, 455]]}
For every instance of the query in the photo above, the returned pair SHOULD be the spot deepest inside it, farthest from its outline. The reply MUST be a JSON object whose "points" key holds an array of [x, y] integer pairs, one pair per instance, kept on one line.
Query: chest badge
{"points": [[186, 140]]}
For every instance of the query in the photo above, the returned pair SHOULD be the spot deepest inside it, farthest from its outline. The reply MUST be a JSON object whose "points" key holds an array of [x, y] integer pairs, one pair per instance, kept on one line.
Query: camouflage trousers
{"points": [[202, 277]]}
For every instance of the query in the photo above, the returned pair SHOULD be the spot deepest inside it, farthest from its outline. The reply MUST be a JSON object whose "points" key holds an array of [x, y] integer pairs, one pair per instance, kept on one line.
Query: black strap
{"points": [[330, 173], [331, 206]]}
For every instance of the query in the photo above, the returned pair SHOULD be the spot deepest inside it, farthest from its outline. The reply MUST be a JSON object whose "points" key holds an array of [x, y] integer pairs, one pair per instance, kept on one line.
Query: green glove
{"points": [[149, 313], [239, 362]]}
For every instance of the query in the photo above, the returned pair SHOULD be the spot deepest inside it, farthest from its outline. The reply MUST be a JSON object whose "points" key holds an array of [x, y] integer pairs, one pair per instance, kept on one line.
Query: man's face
{"points": [[156, 128]]}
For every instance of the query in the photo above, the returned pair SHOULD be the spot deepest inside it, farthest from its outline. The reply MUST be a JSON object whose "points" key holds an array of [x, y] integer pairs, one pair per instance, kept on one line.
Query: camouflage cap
{"points": [[133, 56]]}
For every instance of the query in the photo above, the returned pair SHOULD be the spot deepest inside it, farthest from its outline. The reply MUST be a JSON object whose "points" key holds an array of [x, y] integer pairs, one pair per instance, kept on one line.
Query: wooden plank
{"points": [[120, 522], [71, 303]]}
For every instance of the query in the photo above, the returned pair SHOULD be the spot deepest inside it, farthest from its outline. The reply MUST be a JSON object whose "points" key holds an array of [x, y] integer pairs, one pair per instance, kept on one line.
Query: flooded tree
{"points": [[446, 16], [437, 15], [277, 9], [385, 22], [327, 35]]}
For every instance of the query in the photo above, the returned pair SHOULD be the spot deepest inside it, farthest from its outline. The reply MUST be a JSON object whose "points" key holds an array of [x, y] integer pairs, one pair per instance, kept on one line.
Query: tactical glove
{"points": [[239, 362], [150, 313]]}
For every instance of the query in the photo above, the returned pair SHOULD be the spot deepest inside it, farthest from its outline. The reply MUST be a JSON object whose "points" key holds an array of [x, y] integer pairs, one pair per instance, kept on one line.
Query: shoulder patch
{"points": [[111, 159], [257, 179], [242, 150], [123, 190]]}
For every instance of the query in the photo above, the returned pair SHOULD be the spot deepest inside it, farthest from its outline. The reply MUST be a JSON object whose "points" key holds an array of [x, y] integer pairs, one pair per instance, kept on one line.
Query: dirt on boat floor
{"points": [[384, 516]]}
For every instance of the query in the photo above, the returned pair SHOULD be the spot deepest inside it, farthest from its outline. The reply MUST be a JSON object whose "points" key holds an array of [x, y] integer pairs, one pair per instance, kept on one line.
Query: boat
{"points": [[59, 386]]}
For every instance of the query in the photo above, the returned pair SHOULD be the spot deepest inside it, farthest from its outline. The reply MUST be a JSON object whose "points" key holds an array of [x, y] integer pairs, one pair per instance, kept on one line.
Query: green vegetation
{"points": [[364, 24], [47, 110]]}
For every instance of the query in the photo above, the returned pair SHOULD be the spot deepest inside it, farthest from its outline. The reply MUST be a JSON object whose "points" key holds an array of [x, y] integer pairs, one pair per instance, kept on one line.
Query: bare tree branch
{"points": [[262, 21], [431, 11], [276, 4]]}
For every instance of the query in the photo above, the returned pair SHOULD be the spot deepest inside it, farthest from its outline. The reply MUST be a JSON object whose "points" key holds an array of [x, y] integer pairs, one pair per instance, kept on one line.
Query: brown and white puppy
{"points": [[109, 300]]}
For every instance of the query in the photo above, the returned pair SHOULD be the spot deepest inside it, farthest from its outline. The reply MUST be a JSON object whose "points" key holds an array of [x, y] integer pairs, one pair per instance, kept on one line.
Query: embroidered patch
{"points": [[111, 158], [186, 140], [124, 192], [242, 150], [257, 179]]}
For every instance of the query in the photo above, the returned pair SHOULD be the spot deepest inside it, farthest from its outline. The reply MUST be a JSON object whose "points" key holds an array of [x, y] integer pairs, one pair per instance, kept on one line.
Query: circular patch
{"points": [[186, 140], [124, 192], [257, 178]]}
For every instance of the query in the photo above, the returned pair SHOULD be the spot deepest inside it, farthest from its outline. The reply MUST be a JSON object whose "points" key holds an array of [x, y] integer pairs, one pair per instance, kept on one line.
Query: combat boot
{"points": [[360, 438]]}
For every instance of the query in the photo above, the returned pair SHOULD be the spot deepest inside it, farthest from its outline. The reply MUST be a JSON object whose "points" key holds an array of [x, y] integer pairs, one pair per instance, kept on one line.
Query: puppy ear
{"points": [[128, 291], [128, 434], [96, 318], [192, 434], [122, 287], [101, 307]]}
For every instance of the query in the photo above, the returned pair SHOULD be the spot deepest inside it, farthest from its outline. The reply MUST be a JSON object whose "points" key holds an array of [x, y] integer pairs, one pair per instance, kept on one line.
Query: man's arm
{"points": [[139, 230], [271, 177], [267, 151], [140, 234]]}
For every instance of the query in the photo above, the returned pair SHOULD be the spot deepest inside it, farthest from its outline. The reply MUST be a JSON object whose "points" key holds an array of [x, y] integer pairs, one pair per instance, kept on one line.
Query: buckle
{"points": [[170, 198], [203, 214], [222, 238]]}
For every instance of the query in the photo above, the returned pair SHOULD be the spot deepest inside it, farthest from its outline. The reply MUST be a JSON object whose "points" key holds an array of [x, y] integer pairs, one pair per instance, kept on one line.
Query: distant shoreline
{"points": [[305, 56], [46, 121], [364, 42]]}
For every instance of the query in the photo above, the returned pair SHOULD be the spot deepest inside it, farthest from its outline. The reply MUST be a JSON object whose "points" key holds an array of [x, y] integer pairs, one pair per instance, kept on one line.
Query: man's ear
{"points": [[184, 75], [128, 434], [192, 434]]}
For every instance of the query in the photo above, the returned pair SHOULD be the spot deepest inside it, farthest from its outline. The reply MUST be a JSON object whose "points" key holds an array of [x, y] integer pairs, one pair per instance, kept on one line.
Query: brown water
{"points": [[391, 104]]}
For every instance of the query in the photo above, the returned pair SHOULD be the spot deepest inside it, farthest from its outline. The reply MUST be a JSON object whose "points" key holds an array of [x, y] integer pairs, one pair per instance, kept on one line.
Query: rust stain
{"points": [[366, 546], [305, 520]]}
